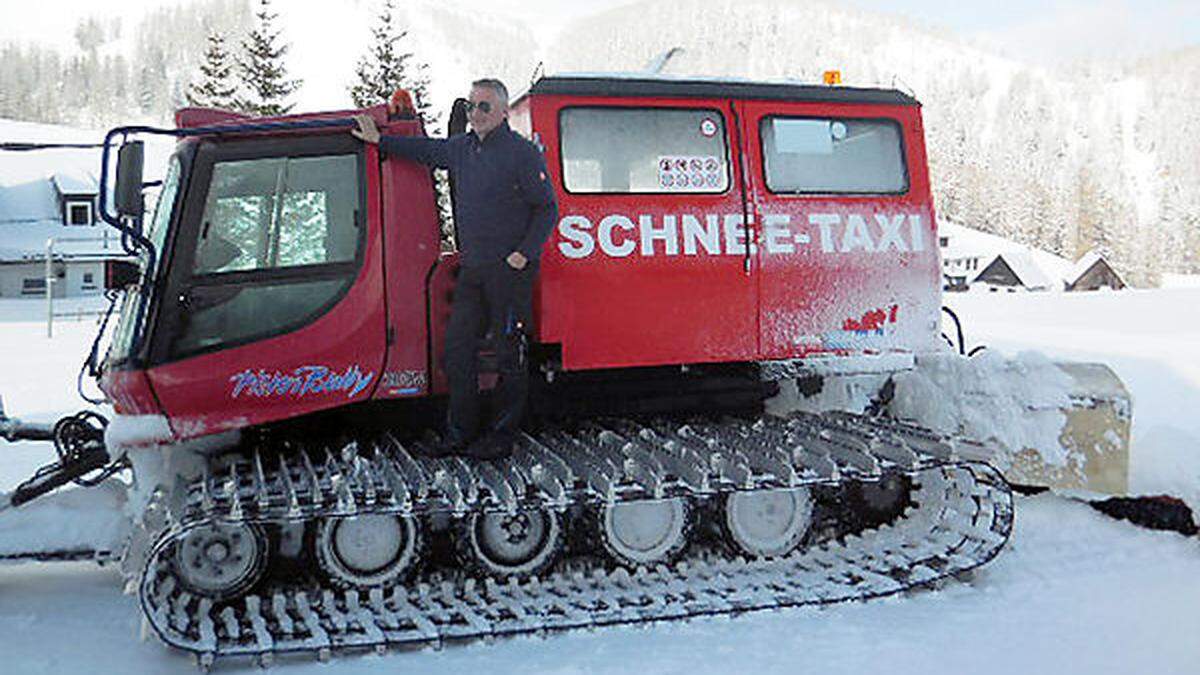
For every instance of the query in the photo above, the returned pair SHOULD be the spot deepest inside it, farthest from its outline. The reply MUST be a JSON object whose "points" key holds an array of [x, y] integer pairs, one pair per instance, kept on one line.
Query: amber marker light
{"points": [[401, 105]]}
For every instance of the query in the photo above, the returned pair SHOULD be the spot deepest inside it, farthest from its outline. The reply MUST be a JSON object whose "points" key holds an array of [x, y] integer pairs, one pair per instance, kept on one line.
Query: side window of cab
{"points": [[807, 155], [276, 242]]}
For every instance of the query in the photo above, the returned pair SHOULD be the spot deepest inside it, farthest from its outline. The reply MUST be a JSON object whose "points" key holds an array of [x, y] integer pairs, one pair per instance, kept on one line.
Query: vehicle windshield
{"points": [[156, 231]]}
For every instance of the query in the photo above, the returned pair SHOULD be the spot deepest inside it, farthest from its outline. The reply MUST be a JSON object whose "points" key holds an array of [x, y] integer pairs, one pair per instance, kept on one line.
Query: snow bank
{"points": [[1013, 402], [70, 519], [1181, 281]]}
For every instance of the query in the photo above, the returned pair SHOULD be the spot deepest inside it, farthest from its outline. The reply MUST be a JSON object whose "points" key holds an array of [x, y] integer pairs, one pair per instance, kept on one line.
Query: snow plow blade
{"points": [[1095, 437], [1058, 425]]}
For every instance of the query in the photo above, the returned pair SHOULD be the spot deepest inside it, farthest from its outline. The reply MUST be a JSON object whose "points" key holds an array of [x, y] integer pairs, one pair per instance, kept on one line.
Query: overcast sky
{"points": [[1049, 31], [1041, 31]]}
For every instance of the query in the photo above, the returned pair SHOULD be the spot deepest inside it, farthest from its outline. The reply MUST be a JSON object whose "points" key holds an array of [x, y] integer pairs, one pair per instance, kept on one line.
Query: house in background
{"points": [[52, 193], [1092, 272], [974, 258], [965, 252], [1017, 269]]}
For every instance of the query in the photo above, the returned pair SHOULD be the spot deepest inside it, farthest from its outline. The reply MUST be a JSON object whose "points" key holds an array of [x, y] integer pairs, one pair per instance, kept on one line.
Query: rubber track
{"points": [[962, 519]]}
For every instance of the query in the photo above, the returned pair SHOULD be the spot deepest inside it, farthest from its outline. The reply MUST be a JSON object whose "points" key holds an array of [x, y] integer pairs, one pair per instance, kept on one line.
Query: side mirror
{"points": [[130, 159], [120, 274]]}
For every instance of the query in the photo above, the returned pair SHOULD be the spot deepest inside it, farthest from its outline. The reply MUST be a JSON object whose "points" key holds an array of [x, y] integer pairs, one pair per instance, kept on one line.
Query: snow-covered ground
{"points": [[1075, 592]]}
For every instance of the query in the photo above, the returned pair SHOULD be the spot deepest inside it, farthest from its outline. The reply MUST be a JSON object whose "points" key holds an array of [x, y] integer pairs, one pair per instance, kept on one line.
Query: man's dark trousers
{"points": [[489, 298]]}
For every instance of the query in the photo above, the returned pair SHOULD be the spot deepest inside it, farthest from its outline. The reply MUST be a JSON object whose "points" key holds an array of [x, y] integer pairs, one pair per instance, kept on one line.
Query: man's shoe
{"points": [[496, 445]]}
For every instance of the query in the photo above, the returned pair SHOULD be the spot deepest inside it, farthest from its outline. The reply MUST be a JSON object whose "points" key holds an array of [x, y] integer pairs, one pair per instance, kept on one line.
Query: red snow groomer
{"points": [[278, 352]]}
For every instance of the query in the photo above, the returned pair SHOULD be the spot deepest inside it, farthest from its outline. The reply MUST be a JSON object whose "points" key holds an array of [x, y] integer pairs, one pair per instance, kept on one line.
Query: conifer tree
{"points": [[388, 66], [216, 88], [152, 81], [262, 69]]}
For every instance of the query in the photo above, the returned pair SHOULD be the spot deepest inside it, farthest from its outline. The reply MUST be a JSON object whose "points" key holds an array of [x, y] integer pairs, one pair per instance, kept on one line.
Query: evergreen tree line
{"points": [[1067, 161], [254, 80], [386, 67], [117, 74]]}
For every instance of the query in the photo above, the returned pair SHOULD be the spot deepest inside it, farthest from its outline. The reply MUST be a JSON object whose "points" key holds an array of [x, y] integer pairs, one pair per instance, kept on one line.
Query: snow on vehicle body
{"points": [[713, 237]]}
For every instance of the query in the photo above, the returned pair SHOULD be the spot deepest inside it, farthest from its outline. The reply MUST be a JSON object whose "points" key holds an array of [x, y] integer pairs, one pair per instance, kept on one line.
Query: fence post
{"points": [[50, 287]]}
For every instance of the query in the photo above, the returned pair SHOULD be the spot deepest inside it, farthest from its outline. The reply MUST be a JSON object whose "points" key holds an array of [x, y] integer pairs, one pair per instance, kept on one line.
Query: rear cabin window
{"points": [[841, 156], [643, 150]]}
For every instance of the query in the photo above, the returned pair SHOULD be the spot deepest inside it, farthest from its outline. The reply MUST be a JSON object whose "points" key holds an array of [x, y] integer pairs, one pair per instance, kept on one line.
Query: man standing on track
{"points": [[504, 211]]}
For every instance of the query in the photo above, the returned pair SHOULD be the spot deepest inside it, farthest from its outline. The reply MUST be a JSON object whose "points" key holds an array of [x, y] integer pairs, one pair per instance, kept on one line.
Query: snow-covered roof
{"points": [[1084, 264], [1032, 276], [964, 242], [1038, 268], [75, 182], [32, 180]]}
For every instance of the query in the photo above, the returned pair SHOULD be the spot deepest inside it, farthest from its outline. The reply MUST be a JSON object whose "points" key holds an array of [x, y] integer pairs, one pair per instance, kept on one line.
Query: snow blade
{"points": [[1094, 438], [1057, 425]]}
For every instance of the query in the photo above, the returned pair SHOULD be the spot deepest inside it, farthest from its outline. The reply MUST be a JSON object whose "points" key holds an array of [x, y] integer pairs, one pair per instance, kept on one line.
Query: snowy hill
{"points": [[1066, 160], [1069, 160]]}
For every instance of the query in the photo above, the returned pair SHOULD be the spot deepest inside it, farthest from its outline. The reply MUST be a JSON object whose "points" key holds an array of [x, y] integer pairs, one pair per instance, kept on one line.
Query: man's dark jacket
{"points": [[503, 199]]}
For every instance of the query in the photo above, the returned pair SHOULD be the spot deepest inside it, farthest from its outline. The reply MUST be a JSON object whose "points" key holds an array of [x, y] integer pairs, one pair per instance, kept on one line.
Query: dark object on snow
{"points": [[1155, 513]]}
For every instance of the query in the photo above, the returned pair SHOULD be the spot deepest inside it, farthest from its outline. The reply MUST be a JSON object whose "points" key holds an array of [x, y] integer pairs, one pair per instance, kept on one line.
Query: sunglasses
{"points": [[483, 106]]}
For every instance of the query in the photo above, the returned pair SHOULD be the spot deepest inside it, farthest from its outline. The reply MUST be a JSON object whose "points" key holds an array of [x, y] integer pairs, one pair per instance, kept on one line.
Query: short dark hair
{"points": [[495, 85]]}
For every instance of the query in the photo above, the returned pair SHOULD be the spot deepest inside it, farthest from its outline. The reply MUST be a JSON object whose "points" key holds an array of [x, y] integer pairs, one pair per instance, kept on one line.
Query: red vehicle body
{"points": [[712, 241]]}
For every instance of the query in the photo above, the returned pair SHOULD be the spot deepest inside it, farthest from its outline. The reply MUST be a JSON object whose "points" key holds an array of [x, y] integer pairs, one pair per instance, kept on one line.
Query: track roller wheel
{"points": [[767, 523], [645, 532], [511, 545], [221, 560], [367, 551]]}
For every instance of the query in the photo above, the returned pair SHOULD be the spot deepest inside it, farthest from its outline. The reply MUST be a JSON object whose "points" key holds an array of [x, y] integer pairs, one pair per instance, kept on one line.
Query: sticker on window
{"points": [[708, 128], [688, 172], [807, 137]]}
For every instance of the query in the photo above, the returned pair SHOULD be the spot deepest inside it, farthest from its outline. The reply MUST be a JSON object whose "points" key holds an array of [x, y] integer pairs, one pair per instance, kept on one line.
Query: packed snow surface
{"points": [[1074, 592], [71, 518]]}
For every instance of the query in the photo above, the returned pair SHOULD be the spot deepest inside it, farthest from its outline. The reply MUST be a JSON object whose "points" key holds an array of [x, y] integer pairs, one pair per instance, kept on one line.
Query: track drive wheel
{"points": [[368, 551], [881, 501], [511, 545], [221, 560], [645, 532], [767, 523]]}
